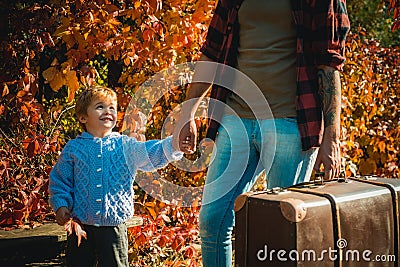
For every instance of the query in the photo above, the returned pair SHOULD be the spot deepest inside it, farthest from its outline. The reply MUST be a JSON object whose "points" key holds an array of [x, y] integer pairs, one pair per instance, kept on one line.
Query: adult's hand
{"points": [[329, 157], [185, 135]]}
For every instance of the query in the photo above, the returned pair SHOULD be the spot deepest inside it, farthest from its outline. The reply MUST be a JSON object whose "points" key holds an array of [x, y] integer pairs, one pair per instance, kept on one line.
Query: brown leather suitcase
{"points": [[345, 222]]}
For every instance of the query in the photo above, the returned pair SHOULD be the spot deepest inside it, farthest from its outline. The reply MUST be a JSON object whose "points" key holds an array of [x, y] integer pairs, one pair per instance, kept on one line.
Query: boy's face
{"points": [[101, 117]]}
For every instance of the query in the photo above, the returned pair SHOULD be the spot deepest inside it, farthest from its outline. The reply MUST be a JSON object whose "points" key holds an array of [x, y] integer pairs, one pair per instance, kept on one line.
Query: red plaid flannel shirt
{"points": [[321, 26]]}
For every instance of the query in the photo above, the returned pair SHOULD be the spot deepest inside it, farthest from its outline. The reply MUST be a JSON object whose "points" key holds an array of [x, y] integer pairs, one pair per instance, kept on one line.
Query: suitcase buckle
{"points": [[276, 190], [370, 177]]}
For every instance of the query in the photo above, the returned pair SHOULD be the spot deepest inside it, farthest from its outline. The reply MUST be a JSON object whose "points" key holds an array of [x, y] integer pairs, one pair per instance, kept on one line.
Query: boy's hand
{"points": [[62, 216]]}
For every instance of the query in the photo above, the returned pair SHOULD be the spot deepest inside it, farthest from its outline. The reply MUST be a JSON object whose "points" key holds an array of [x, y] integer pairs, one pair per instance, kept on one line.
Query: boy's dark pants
{"points": [[106, 246]]}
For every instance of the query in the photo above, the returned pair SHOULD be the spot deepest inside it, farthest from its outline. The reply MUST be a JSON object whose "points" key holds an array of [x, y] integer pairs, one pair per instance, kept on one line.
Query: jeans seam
{"points": [[223, 219]]}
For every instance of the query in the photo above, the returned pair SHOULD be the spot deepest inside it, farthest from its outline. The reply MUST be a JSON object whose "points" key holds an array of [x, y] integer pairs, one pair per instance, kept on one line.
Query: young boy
{"points": [[92, 180]]}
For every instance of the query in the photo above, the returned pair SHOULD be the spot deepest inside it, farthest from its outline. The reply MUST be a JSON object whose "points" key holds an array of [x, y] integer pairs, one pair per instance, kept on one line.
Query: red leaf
{"points": [[39, 45], [6, 218], [33, 148], [178, 242], [396, 25], [148, 35], [74, 226], [17, 216], [26, 142], [190, 252], [141, 239], [155, 5], [164, 240], [46, 37]]}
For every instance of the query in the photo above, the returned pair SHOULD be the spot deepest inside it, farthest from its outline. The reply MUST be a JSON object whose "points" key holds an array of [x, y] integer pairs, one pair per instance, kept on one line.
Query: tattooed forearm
{"points": [[330, 92]]}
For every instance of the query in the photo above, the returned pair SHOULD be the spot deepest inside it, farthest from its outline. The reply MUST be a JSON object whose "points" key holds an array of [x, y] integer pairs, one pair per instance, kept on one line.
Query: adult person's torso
{"points": [[267, 55]]}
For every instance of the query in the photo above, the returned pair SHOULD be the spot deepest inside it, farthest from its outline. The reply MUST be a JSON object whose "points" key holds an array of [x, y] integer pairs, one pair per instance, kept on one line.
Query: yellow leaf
{"points": [[72, 83], [382, 146], [62, 31], [49, 73], [5, 91], [137, 4], [85, 35], [65, 67], [126, 29], [57, 82], [130, 81], [127, 61], [151, 207]]}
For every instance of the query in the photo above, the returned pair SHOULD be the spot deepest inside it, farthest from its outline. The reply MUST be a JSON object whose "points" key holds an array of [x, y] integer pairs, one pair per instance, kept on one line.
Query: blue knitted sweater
{"points": [[93, 177]]}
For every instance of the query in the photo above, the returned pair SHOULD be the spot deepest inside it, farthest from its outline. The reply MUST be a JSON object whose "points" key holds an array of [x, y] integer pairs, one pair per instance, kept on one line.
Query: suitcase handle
{"points": [[341, 179], [320, 182]]}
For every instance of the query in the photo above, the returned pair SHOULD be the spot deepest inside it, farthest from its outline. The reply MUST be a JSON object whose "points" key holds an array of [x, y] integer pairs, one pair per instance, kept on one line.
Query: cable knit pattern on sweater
{"points": [[93, 177]]}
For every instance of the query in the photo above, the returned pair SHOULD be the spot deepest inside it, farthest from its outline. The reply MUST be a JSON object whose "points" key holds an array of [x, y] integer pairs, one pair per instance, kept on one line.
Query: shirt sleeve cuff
{"points": [[171, 154], [56, 204]]}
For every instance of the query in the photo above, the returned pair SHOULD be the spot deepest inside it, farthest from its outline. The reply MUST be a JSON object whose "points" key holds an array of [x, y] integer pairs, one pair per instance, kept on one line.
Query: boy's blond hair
{"points": [[89, 95]]}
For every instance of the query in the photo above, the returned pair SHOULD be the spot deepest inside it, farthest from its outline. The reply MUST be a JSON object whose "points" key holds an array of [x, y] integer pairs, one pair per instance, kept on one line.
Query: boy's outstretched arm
{"points": [[151, 155]]}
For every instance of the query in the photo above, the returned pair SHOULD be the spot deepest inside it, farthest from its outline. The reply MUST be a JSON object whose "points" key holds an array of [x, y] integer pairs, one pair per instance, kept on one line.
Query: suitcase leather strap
{"points": [[395, 204], [335, 219]]}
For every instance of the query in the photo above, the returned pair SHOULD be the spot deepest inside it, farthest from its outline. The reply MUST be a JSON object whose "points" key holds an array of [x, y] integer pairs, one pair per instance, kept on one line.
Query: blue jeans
{"points": [[243, 149]]}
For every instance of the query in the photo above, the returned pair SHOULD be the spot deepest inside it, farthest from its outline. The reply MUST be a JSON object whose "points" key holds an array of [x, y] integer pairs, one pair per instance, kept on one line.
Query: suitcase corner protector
{"points": [[240, 201], [293, 210]]}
